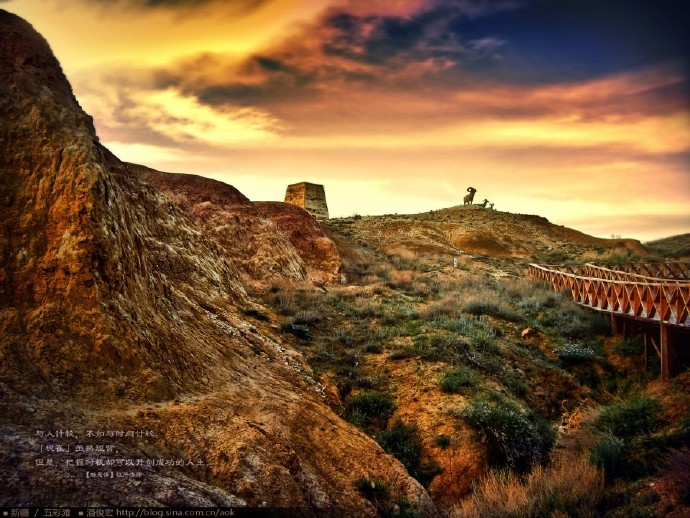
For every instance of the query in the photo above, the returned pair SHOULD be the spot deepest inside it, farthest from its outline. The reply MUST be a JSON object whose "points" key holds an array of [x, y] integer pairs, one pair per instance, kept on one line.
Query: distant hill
{"points": [[481, 232], [674, 247]]}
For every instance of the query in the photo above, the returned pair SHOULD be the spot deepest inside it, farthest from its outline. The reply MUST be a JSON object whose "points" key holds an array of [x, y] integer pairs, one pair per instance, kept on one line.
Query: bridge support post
{"points": [[646, 351], [663, 346], [614, 324]]}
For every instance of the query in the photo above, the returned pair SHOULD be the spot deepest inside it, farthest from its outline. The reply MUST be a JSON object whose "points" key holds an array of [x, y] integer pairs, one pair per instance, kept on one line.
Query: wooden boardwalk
{"points": [[649, 293]]}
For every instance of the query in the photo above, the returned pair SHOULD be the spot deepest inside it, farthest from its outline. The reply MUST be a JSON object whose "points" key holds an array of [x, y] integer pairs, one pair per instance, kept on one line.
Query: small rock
{"points": [[530, 331]]}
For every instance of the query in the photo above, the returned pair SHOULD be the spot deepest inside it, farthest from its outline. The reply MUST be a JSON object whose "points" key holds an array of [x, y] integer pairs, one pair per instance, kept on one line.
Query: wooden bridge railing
{"points": [[621, 293], [609, 272], [666, 270]]}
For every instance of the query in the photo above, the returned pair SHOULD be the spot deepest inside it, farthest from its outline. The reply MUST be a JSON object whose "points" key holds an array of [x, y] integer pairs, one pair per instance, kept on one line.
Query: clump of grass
{"points": [[254, 313], [491, 308], [463, 325], [531, 297], [403, 280], [403, 353], [536, 303], [443, 441], [566, 487], [372, 489], [443, 348], [515, 438], [344, 337], [371, 407], [446, 308], [454, 381], [306, 318], [286, 305], [366, 309], [373, 348]]}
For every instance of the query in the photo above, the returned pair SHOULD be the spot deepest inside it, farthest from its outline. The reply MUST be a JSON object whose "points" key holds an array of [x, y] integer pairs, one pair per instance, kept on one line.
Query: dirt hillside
{"points": [[472, 230]]}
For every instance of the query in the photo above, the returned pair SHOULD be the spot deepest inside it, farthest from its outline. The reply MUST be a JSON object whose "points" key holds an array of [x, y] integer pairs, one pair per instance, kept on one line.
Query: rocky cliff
{"points": [[319, 253], [123, 312], [259, 251]]}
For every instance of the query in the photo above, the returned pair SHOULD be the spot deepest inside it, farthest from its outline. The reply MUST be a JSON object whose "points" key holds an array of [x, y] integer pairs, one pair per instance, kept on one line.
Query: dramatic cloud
{"points": [[239, 6], [576, 110]]}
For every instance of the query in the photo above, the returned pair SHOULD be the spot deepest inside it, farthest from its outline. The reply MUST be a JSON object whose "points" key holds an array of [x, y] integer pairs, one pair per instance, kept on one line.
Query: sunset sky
{"points": [[576, 110]]}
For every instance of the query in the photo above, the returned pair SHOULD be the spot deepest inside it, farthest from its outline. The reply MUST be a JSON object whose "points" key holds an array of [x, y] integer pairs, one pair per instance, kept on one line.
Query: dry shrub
{"points": [[404, 280], [566, 487], [446, 307]]}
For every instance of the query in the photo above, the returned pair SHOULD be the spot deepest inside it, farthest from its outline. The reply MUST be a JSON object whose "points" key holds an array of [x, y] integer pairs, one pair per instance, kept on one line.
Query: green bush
{"points": [[453, 381], [404, 443], [630, 418], [443, 441], [630, 347], [515, 438], [538, 302], [369, 407], [607, 454]]}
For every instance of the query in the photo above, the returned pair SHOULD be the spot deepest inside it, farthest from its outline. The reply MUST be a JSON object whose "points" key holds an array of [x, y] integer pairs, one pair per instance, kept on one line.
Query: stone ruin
{"points": [[310, 196]]}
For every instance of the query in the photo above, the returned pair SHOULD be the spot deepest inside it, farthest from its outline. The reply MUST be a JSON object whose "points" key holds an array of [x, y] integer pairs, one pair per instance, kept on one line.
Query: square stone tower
{"points": [[310, 196]]}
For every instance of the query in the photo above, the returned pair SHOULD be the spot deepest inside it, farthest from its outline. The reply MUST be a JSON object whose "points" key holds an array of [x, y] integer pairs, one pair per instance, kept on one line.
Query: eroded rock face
{"points": [[120, 310], [259, 251], [319, 253]]}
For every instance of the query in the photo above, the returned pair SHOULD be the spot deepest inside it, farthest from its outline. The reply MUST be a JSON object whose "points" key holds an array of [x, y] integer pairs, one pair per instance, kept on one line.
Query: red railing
{"points": [[667, 270], [622, 292]]}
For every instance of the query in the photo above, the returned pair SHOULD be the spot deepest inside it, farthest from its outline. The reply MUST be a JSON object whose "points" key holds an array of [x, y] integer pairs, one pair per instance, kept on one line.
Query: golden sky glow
{"points": [[387, 103]]}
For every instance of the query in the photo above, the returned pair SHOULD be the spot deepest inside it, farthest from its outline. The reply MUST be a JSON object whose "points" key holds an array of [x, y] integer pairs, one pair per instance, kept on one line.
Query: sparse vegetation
{"points": [[454, 381], [630, 418], [515, 437], [369, 407], [405, 317], [566, 487], [675, 247]]}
